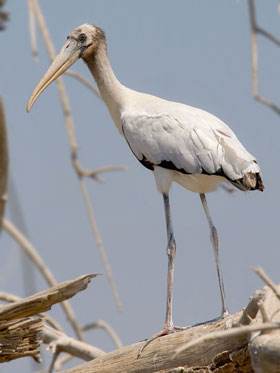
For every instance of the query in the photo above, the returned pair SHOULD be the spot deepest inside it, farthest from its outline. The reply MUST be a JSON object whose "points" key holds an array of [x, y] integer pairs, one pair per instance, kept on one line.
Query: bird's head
{"points": [[81, 43]]}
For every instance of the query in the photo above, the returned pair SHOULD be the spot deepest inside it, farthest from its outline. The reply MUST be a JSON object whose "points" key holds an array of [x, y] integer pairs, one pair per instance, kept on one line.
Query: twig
{"points": [[94, 174], [260, 272], [54, 359], [3, 162], [73, 145], [60, 342], [84, 81], [254, 53], [99, 241], [104, 325], [37, 260], [63, 360], [32, 31], [228, 333]]}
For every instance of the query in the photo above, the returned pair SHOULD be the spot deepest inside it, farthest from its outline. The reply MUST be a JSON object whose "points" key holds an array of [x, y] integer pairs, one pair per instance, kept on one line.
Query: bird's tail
{"points": [[250, 181]]}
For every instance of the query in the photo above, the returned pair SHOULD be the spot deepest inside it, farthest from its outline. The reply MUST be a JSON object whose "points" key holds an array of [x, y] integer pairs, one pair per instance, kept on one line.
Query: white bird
{"points": [[179, 143]]}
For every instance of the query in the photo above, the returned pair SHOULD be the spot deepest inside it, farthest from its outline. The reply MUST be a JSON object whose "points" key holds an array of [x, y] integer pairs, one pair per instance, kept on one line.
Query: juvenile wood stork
{"points": [[177, 142]]}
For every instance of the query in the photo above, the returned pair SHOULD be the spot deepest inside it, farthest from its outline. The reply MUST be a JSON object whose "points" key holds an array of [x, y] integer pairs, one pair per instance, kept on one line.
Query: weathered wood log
{"points": [[226, 353], [44, 300], [159, 354], [19, 331]]}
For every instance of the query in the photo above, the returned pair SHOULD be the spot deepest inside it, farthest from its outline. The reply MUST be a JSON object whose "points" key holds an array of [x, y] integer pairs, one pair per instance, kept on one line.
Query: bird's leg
{"points": [[171, 252], [214, 241]]}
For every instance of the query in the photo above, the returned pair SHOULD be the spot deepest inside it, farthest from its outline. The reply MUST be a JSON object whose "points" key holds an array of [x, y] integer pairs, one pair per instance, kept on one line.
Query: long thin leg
{"points": [[171, 252], [215, 243]]}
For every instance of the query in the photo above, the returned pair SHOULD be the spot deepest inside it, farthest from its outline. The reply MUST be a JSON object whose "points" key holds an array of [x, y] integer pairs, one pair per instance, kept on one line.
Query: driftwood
{"points": [[19, 331], [221, 346]]}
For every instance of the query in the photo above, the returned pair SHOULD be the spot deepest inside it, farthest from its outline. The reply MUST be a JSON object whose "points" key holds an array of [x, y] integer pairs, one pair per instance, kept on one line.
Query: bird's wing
{"points": [[186, 139]]}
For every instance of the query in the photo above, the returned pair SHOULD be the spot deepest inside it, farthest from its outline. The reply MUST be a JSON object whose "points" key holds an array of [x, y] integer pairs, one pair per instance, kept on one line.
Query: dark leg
{"points": [[171, 252], [214, 241]]}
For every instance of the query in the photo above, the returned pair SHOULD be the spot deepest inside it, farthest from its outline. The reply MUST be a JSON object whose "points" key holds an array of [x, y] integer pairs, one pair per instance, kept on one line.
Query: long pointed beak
{"points": [[68, 55]]}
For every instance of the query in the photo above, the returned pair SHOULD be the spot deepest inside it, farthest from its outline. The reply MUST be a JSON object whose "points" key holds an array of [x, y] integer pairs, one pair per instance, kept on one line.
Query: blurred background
{"points": [[194, 52]]}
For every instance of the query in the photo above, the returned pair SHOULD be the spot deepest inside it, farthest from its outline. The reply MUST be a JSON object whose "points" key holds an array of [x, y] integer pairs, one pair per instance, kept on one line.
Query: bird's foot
{"points": [[224, 314], [168, 329]]}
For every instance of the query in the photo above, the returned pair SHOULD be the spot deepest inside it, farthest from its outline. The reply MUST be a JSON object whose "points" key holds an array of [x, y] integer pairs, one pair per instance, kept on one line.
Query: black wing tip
{"points": [[250, 181]]}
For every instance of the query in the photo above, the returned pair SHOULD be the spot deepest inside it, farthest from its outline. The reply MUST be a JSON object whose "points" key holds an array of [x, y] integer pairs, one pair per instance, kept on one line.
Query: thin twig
{"points": [[38, 261], [99, 241], [94, 174], [84, 81], [63, 360], [228, 333], [32, 31], [54, 359], [73, 145], [60, 342], [255, 29], [104, 325], [260, 272], [3, 162]]}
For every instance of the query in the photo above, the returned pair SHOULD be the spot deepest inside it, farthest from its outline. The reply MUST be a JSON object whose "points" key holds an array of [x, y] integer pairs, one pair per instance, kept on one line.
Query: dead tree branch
{"points": [[221, 346], [74, 146], [59, 342], [104, 325], [255, 29], [19, 331]]}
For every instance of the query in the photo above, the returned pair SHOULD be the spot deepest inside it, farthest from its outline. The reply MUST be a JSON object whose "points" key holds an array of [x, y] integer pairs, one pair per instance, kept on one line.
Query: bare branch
{"points": [[255, 29], [104, 325], [74, 146], [99, 242], [84, 81], [60, 342], [37, 260], [260, 272], [63, 360], [3, 162], [32, 31]]}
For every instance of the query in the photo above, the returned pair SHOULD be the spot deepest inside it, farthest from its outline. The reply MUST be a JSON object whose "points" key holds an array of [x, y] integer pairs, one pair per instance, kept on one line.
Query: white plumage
{"points": [[193, 140], [177, 142]]}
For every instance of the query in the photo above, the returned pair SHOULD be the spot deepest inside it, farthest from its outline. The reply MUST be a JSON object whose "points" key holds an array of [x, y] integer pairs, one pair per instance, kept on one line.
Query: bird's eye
{"points": [[82, 38]]}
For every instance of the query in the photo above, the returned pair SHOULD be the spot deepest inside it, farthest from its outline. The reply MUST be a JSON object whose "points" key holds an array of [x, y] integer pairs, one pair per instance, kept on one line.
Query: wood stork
{"points": [[177, 142]]}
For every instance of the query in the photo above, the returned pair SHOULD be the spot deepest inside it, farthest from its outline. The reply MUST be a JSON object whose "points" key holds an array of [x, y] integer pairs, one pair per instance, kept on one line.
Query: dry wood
{"points": [[264, 347], [59, 342], [20, 332], [43, 301], [220, 346], [159, 354], [20, 338]]}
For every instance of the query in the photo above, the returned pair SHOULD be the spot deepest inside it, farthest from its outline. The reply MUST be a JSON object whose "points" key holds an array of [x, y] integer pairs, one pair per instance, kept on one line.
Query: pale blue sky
{"points": [[194, 52]]}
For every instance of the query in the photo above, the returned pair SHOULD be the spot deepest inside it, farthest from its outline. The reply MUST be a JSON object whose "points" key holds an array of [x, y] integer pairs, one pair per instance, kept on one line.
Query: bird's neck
{"points": [[111, 90]]}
